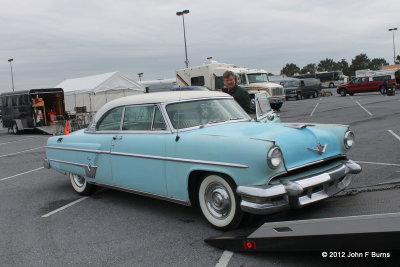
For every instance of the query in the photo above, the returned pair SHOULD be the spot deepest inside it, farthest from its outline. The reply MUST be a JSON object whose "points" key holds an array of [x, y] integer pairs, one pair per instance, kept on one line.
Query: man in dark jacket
{"points": [[239, 93]]}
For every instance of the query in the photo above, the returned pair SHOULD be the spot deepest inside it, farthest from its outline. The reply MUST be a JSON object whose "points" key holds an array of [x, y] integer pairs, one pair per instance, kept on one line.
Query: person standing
{"points": [[384, 87], [239, 93]]}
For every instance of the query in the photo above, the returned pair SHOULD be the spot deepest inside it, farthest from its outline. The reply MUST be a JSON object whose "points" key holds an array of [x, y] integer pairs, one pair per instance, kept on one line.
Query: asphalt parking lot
{"points": [[120, 229]]}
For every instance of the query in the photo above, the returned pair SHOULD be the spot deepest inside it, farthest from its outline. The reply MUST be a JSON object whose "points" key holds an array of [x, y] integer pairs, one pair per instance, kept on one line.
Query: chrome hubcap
{"points": [[79, 180], [218, 201]]}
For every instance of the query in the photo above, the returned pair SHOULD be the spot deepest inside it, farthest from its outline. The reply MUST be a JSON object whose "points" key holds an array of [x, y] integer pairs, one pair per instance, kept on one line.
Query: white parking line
{"points": [[314, 109], [225, 258], [395, 135], [20, 152], [378, 163], [64, 207], [3, 179], [18, 140], [364, 108]]}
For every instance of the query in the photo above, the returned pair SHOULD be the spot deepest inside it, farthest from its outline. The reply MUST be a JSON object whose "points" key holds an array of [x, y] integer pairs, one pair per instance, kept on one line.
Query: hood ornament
{"points": [[299, 125], [320, 149]]}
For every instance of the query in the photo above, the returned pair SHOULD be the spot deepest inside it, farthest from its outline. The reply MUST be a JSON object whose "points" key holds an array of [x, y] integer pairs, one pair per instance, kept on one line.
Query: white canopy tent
{"points": [[94, 91]]}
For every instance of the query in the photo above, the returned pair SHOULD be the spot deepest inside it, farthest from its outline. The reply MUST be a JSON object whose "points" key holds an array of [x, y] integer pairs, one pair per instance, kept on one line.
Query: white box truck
{"points": [[210, 75]]}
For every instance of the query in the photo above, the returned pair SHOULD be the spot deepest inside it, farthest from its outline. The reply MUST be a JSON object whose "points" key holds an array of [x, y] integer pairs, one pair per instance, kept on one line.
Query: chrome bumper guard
{"points": [[267, 199], [90, 171]]}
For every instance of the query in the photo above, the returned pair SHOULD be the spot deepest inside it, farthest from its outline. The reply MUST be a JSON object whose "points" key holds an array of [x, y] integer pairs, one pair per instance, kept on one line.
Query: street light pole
{"points": [[394, 48], [182, 13], [12, 76]]}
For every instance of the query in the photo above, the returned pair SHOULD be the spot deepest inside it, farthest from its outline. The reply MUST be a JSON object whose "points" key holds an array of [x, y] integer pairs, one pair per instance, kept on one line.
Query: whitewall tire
{"points": [[80, 185], [219, 203]]}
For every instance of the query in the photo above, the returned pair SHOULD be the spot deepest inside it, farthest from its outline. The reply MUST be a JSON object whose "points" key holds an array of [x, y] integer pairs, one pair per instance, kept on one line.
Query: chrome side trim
{"points": [[227, 164], [90, 171], [79, 149], [317, 161], [137, 192], [180, 160]]}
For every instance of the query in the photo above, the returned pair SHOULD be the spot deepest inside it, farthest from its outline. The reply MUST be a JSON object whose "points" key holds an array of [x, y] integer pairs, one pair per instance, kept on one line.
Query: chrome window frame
{"points": [[120, 131]]}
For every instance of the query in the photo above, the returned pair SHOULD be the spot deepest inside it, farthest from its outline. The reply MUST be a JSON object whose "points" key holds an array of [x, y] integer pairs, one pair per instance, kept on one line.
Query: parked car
{"points": [[363, 85], [301, 88], [200, 147]]}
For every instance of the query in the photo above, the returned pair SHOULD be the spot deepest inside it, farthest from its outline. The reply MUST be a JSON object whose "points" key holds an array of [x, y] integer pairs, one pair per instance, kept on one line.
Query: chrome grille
{"points": [[276, 91]]}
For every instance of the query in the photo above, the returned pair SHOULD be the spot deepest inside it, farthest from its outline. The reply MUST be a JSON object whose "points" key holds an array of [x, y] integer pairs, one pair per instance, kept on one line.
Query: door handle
{"points": [[117, 137]]}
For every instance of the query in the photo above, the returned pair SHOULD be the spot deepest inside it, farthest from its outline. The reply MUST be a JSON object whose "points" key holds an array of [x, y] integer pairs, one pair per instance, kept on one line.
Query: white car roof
{"points": [[155, 98]]}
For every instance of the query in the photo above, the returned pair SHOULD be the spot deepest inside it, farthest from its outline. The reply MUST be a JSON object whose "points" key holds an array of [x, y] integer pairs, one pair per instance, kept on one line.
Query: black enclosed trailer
{"points": [[32, 109]]}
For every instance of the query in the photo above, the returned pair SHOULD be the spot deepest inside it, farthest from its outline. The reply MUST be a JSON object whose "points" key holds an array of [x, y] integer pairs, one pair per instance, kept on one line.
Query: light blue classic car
{"points": [[200, 147]]}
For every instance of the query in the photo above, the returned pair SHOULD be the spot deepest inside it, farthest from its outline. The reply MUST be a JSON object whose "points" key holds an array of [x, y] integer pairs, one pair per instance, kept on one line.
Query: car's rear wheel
{"points": [[219, 202], [331, 85], [343, 92], [80, 185]]}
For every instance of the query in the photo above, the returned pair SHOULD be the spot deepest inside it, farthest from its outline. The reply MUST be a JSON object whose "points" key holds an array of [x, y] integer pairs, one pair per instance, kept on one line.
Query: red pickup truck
{"points": [[363, 85]]}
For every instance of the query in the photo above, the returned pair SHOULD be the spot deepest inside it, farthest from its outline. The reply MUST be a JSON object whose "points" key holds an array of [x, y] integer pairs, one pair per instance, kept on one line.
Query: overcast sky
{"points": [[51, 40]]}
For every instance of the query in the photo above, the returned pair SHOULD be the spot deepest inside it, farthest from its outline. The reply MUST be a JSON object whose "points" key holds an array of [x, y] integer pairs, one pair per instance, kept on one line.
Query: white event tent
{"points": [[94, 91]]}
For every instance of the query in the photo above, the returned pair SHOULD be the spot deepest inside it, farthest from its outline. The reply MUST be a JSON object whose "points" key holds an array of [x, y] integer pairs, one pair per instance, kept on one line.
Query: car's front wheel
{"points": [[80, 185], [219, 202], [343, 92]]}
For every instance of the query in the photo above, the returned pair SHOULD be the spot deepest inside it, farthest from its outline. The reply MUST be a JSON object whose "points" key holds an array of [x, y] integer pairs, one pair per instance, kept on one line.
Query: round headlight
{"points": [[274, 158], [349, 139]]}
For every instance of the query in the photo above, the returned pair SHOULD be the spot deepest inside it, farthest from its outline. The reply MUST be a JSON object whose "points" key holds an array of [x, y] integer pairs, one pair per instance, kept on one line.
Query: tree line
{"points": [[359, 62]]}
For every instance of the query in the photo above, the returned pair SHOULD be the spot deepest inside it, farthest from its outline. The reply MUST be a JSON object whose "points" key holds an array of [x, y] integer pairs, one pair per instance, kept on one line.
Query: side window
{"points": [[241, 78], [23, 100], [197, 81], [219, 82], [138, 118], [14, 99], [158, 122], [111, 121]]}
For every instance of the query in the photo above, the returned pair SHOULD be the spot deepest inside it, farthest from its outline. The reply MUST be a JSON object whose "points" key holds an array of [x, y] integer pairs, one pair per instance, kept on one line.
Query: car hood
{"points": [[296, 142], [264, 84]]}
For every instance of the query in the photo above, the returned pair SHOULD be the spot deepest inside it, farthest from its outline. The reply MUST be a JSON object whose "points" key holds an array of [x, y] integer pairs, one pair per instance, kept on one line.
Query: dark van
{"points": [[31, 109], [301, 88]]}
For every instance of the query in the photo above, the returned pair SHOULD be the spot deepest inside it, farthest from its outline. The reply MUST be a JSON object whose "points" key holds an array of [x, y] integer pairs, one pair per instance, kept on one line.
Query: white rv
{"points": [[210, 75]]}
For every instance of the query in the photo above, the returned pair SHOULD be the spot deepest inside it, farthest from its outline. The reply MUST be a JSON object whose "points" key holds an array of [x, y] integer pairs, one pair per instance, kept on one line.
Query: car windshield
{"points": [[202, 112], [257, 77], [291, 84], [263, 105]]}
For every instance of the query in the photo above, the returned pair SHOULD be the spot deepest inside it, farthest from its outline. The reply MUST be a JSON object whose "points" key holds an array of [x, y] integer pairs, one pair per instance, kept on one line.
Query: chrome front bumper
{"points": [[274, 100], [267, 199]]}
